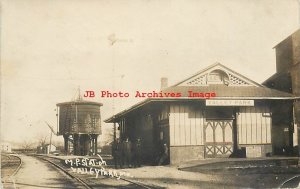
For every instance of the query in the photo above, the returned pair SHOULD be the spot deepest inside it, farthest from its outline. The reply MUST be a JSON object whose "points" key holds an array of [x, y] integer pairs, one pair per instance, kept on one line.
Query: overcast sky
{"points": [[50, 47]]}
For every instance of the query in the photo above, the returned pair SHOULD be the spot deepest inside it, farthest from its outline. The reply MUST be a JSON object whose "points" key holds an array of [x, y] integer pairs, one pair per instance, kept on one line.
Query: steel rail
{"points": [[9, 162], [140, 185], [18, 168], [86, 185]]}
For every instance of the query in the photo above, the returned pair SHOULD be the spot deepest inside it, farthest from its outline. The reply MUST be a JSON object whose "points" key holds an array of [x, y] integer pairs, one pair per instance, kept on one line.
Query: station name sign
{"points": [[229, 102]]}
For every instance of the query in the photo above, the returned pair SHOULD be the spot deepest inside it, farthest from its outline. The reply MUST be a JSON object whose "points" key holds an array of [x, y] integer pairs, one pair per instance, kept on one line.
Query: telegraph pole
{"points": [[112, 40]]}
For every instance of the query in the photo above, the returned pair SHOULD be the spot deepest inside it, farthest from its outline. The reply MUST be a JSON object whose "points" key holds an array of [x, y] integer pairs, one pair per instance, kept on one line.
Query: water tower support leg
{"points": [[96, 136], [66, 144]]}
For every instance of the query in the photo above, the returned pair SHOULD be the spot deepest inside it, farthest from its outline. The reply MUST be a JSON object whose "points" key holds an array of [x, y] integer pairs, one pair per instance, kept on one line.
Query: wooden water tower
{"points": [[80, 124]]}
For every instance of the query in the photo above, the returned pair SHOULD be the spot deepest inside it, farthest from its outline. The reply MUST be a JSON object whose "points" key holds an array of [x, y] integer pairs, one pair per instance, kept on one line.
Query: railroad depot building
{"points": [[238, 119]]}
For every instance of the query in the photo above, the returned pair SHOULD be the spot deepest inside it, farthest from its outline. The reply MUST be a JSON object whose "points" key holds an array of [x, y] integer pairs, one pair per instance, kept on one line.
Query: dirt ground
{"points": [[171, 177], [267, 173]]}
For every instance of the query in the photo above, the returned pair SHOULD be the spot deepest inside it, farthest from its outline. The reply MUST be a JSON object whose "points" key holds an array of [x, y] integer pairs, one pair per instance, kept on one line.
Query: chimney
{"points": [[164, 83]]}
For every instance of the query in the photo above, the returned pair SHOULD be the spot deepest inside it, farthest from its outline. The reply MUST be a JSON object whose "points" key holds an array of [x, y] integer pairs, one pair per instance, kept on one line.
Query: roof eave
{"points": [[147, 101], [118, 115], [298, 30]]}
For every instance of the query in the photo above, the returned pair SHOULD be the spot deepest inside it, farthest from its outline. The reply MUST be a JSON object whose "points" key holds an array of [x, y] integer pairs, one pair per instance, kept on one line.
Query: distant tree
{"points": [[42, 140], [27, 145]]}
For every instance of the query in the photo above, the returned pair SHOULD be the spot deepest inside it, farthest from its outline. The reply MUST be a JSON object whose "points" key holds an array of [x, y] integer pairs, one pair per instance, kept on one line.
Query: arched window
{"points": [[218, 77]]}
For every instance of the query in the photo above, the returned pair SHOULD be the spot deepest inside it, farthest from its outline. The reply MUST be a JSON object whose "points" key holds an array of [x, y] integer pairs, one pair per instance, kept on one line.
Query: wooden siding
{"points": [[186, 125], [254, 125]]}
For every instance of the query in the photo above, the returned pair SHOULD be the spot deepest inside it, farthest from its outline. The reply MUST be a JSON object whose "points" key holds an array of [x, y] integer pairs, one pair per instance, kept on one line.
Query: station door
{"points": [[218, 138]]}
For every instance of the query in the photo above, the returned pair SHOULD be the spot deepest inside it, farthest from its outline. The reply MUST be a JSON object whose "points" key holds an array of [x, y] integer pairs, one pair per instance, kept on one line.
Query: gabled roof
{"points": [[237, 87], [276, 76], [297, 32], [200, 78]]}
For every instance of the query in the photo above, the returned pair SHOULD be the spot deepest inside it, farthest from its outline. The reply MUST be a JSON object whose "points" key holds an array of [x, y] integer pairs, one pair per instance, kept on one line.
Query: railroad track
{"points": [[48, 159], [87, 183], [10, 165], [5, 159]]}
